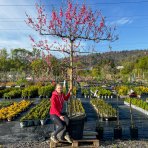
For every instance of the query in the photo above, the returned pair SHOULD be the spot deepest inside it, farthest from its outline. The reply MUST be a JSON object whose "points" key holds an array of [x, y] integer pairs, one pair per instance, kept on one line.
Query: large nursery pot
{"points": [[100, 131], [76, 126], [133, 132], [118, 132]]}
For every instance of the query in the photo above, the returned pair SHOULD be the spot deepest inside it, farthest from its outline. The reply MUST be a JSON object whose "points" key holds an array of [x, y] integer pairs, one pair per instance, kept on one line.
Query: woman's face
{"points": [[59, 89]]}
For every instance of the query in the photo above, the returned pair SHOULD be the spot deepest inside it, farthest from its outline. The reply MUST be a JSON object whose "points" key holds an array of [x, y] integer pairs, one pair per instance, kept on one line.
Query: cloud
{"points": [[122, 21]]}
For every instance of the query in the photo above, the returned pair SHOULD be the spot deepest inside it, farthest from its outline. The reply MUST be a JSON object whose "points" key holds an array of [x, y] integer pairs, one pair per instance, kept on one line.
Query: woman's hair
{"points": [[58, 85]]}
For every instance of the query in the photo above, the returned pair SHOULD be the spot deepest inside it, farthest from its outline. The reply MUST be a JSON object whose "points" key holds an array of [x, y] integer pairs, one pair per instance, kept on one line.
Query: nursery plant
{"points": [[5, 103], [103, 109], [10, 112], [40, 111]]}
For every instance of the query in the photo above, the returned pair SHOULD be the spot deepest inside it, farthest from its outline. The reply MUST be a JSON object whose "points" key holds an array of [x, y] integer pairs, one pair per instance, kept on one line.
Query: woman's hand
{"points": [[62, 118], [70, 89]]}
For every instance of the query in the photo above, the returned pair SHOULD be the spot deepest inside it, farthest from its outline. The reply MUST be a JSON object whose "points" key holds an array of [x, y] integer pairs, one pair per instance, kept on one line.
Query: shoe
{"points": [[67, 138], [54, 139]]}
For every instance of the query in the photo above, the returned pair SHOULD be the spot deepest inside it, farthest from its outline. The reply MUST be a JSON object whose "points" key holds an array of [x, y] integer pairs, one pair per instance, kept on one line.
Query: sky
{"points": [[130, 17]]}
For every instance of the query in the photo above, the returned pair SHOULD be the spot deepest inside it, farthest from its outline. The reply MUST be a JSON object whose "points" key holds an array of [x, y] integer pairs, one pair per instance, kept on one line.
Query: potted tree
{"points": [[118, 128], [133, 128], [71, 25], [99, 130]]}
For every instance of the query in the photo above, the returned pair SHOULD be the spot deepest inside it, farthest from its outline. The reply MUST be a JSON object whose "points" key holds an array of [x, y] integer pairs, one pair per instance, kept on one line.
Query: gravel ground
{"points": [[106, 144]]}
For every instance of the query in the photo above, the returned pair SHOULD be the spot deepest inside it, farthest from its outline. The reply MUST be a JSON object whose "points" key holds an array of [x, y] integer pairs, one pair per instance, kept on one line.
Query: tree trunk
{"points": [[71, 76]]}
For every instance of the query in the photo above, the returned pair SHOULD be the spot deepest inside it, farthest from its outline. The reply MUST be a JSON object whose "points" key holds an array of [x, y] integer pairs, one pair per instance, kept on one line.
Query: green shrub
{"points": [[85, 91], [6, 90], [101, 91], [122, 90], [31, 91], [5, 104], [13, 94], [45, 91]]}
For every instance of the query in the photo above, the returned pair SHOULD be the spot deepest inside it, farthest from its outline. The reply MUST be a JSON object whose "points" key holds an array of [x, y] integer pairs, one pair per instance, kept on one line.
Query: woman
{"points": [[62, 121]]}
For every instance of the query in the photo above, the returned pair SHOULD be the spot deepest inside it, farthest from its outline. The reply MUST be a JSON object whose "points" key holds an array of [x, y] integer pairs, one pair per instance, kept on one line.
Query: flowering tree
{"points": [[72, 25]]}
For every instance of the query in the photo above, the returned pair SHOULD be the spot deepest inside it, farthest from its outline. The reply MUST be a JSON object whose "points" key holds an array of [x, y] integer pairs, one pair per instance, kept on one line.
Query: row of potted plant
{"points": [[85, 91], [138, 102], [12, 111], [122, 90], [46, 91], [37, 115], [31, 91], [11, 84], [101, 91], [5, 104], [77, 107], [103, 109], [3, 91], [16, 93], [141, 90]]}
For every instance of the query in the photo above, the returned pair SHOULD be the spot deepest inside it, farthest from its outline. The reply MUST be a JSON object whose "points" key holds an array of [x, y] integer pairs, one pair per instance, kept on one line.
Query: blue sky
{"points": [[131, 20]]}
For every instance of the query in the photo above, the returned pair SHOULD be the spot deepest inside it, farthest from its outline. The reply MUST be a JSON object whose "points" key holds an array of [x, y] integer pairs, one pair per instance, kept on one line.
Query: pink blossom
{"points": [[54, 16], [61, 12], [101, 24], [40, 10], [83, 9]]}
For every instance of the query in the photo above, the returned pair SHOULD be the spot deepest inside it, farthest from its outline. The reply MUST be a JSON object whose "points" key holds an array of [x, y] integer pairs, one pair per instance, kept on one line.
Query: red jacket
{"points": [[57, 102]]}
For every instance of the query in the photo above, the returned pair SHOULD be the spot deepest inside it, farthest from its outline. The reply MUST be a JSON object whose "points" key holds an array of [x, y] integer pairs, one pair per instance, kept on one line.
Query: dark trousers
{"points": [[61, 125]]}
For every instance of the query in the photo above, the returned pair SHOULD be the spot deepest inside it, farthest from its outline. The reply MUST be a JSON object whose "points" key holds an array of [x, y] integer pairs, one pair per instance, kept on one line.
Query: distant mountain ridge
{"points": [[117, 56]]}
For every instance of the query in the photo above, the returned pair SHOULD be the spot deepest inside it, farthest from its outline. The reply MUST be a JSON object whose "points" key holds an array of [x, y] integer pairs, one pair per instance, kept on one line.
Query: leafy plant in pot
{"points": [[118, 128], [133, 128]]}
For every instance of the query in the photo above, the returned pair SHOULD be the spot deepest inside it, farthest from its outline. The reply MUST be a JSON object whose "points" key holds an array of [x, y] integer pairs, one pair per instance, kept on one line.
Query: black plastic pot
{"points": [[76, 126], [30, 123], [100, 132], [37, 122], [23, 124], [134, 133], [117, 133]]}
